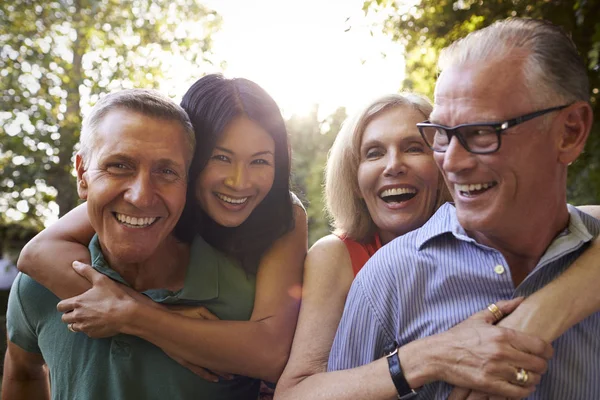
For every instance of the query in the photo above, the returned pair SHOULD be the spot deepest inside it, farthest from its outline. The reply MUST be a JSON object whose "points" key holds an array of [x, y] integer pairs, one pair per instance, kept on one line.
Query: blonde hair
{"points": [[347, 210], [553, 70], [144, 101]]}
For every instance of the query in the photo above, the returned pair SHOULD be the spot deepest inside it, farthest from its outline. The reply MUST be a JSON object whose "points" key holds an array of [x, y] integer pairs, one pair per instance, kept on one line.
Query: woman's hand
{"points": [[498, 360], [102, 310]]}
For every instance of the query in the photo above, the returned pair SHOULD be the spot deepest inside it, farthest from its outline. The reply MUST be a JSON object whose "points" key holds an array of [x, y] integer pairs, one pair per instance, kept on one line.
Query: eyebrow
{"points": [[408, 139], [260, 153], [125, 158]]}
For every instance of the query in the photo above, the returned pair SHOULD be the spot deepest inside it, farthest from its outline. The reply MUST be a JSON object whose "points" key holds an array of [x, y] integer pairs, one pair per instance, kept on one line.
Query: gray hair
{"points": [[553, 69], [348, 212], [144, 101]]}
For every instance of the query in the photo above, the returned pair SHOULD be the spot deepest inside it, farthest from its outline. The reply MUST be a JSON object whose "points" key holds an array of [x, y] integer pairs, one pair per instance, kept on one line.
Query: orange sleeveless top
{"points": [[361, 252]]}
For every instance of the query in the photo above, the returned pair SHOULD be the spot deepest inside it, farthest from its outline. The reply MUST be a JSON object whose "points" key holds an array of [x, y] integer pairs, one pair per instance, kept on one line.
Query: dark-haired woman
{"points": [[239, 202]]}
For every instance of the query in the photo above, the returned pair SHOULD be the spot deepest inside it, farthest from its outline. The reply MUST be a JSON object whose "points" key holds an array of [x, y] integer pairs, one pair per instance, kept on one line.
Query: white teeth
{"points": [[397, 191], [231, 200], [135, 221], [474, 186]]}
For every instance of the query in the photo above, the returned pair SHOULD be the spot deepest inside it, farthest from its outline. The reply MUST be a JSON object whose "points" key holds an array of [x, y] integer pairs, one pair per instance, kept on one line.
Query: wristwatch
{"points": [[402, 386]]}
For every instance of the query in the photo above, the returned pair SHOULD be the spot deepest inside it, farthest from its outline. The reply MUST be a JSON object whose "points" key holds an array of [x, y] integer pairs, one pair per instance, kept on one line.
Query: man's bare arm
{"points": [[25, 375]]}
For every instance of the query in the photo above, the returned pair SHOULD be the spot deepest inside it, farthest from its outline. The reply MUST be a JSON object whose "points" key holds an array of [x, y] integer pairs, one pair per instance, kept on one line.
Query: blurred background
{"points": [[320, 60]]}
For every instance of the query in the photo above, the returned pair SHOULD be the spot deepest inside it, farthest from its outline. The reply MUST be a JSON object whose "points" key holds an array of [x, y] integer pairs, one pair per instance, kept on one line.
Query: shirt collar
{"points": [[201, 281], [444, 221]]}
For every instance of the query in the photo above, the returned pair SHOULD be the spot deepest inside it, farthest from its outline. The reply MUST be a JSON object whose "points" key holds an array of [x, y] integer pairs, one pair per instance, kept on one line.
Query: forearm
{"points": [[371, 381], [25, 376], [249, 348], [564, 302], [50, 265], [15, 389], [48, 257]]}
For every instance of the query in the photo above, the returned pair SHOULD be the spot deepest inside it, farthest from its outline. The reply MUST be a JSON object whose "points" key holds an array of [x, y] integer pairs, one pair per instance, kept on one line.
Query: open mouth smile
{"points": [[232, 200], [474, 189], [135, 222], [398, 195]]}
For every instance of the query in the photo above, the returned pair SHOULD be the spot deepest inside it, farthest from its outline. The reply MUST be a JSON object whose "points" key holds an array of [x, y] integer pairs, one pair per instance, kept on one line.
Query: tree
{"points": [[311, 139], [424, 29], [56, 57]]}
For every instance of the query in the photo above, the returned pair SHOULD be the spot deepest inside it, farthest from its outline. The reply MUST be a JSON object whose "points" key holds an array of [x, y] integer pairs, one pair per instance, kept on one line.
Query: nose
{"points": [[238, 179], [457, 158], [141, 191], [394, 164]]}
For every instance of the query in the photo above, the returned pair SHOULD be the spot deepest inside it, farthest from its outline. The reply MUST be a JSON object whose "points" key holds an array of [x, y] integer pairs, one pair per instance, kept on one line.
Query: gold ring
{"points": [[70, 327], [522, 376], [498, 315]]}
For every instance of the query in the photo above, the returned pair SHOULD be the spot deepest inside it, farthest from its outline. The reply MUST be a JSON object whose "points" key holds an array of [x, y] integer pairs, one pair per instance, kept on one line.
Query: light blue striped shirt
{"points": [[431, 279]]}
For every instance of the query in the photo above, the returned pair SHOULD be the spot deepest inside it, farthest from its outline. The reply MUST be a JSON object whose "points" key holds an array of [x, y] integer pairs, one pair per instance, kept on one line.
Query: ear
{"points": [[82, 186], [576, 127]]}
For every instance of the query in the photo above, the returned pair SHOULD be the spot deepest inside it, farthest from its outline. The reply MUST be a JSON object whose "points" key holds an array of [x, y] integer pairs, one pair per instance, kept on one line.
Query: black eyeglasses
{"points": [[479, 138]]}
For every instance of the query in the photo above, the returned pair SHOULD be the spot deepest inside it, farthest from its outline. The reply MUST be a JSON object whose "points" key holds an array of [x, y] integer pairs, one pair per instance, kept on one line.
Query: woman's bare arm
{"points": [[564, 302], [328, 275], [258, 348], [48, 257]]}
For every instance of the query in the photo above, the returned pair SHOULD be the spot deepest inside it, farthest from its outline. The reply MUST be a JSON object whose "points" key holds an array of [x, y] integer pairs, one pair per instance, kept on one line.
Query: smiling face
{"points": [[495, 193], [239, 173], [397, 176], [134, 183]]}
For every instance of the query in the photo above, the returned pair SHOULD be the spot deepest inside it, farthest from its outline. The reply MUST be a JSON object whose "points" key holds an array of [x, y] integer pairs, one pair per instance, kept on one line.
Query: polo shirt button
{"points": [[499, 269]]}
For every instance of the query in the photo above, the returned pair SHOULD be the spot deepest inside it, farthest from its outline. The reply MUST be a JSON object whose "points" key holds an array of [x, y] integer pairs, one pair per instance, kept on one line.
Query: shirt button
{"points": [[499, 269]]}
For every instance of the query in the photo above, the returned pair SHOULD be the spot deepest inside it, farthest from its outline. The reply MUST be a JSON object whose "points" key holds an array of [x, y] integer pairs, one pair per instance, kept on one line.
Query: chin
{"points": [[230, 223]]}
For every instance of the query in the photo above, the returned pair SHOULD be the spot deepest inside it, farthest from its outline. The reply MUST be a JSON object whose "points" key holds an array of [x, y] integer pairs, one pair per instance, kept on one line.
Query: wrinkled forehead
{"points": [[478, 92]]}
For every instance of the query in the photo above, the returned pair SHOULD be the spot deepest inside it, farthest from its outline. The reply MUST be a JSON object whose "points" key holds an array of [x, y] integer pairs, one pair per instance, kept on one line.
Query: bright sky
{"points": [[301, 53]]}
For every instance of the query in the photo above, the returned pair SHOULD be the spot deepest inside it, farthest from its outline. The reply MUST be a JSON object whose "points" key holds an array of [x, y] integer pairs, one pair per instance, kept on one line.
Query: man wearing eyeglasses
{"points": [[511, 113]]}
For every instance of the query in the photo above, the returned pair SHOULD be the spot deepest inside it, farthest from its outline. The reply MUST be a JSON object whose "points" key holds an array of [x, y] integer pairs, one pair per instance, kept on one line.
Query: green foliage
{"points": [[56, 57], [431, 25], [311, 139]]}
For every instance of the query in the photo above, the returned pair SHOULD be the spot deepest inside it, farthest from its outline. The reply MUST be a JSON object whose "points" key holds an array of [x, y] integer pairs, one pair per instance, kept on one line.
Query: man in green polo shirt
{"points": [[136, 147]]}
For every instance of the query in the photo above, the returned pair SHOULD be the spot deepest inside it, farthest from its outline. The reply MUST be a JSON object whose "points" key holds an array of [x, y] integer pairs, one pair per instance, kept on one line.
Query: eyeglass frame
{"points": [[499, 128]]}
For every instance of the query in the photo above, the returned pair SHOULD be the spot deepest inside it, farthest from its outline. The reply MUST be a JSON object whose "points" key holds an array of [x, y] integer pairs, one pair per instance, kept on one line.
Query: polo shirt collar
{"points": [[201, 281]]}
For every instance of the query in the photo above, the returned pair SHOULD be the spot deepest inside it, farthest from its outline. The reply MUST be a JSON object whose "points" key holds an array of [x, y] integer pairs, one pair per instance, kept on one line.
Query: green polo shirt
{"points": [[123, 366]]}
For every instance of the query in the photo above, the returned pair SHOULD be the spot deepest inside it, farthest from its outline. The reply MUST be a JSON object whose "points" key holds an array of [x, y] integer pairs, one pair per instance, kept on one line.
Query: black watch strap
{"points": [[402, 386]]}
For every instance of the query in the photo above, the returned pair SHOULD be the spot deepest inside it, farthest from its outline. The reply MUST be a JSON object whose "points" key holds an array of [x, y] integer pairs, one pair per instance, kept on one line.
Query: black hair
{"points": [[212, 103]]}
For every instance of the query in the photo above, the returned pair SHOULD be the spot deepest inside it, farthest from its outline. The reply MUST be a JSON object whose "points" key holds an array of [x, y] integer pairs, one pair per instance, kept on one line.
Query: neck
{"points": [[163, 269], [523, 246]]}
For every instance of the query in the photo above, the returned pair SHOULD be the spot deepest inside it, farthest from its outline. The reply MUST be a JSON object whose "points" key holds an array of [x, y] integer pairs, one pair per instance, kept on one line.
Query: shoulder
{"points": [[26, 289], [205, 257], [29, 303], [583, 219], [329, 255], [330, 248], [328, 267], [594, 211]]}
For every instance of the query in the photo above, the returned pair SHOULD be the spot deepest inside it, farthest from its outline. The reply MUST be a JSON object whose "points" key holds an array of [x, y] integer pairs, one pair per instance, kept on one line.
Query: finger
{"points": [[201, 372], [87, 272], [531, 344], [224, 375], [71, 327], [206, 314], [533, 379], [67, 305], [459, 393], [503, 389], [505, 307], [474, 395]]}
